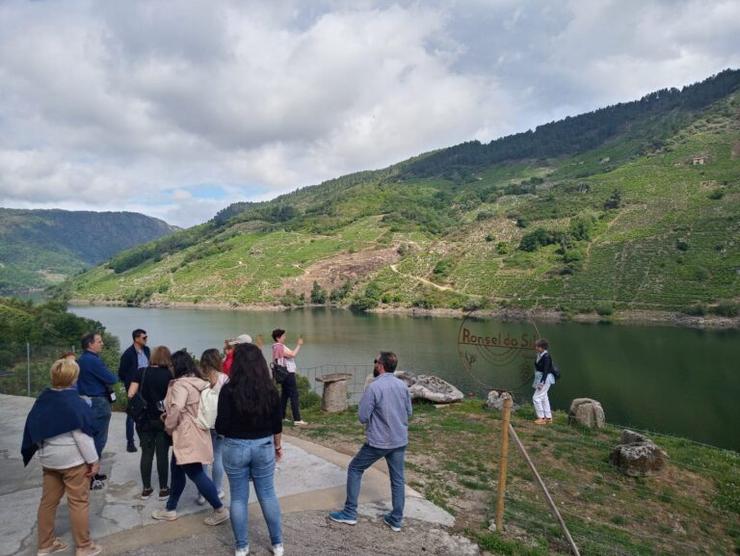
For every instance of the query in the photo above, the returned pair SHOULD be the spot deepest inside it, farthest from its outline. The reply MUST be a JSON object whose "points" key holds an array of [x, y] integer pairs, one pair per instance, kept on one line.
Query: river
{"points": [[672, 380]]}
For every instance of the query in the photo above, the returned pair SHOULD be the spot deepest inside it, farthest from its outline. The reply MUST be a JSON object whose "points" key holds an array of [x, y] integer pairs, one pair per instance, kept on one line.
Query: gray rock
{"points": [[334, 397], [407, 376], [586, 412], [426, 387], [495, 401], [632, 437], [637, 455], [434, 389]]}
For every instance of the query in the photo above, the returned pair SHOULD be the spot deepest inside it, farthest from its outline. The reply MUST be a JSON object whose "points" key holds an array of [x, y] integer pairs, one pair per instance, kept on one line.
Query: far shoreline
{"points": [[628, 317]]}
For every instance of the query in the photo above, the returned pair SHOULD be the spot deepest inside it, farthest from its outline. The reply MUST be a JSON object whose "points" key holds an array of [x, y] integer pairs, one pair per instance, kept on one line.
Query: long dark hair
{"points": [[183, 365], [252, 388]]}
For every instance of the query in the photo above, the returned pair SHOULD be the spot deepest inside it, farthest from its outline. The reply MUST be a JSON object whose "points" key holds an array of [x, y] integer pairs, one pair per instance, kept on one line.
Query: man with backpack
{"points": [[545, 374]]}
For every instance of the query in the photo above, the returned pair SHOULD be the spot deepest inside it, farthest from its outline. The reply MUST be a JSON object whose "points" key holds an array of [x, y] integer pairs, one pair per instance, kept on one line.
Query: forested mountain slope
{"points": [[40, 247], [634, 206]]}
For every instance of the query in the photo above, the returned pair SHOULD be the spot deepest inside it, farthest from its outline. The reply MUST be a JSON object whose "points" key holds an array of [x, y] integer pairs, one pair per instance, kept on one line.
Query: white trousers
{"points": [[542, 402]]}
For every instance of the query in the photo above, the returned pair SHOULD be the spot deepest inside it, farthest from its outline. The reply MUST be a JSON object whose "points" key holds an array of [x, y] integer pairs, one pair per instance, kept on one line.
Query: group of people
{"points": [[68, 427], [241, 436]]}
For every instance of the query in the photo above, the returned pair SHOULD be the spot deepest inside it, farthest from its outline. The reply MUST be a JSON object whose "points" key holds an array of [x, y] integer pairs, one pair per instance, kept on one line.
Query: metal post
{"points": [[503, 464], [28, 368], [548, 498]]}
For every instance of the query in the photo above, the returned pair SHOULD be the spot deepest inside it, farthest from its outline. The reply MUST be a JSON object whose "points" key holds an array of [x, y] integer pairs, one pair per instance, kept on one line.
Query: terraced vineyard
{"points": [[647, 219]]}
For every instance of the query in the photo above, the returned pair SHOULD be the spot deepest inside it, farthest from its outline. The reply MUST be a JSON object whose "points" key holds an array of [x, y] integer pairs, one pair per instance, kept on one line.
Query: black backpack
{"points": [[555, 371]]}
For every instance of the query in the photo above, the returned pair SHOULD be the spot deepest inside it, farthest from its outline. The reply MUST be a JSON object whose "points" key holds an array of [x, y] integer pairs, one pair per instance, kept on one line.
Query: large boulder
{"points": [[407, 376], [495, 401], [586, 412], [434, 389], [426, 387], [637, 455]]}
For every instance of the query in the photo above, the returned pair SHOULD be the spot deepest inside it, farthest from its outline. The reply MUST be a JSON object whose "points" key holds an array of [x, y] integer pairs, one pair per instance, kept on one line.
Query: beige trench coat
{"points": [[190, 443]]}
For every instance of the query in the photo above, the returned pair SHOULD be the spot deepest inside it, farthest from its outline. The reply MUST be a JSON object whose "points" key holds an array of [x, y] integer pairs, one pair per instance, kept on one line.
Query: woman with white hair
{"points": [[60, 427]]}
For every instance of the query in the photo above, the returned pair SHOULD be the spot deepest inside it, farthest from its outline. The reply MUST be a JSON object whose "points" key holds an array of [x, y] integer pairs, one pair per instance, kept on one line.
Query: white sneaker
{"points": [[242, 551], [201, 501], [300, 423], [218, 516], [221, 494], [164, 515], [278, 550]]}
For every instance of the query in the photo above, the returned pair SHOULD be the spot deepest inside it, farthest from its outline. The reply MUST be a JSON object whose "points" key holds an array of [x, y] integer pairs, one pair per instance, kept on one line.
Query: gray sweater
{"points": [[67, 450]]}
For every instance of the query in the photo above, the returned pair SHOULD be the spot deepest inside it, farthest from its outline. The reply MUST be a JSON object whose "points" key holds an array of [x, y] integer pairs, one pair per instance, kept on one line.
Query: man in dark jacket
{"points": [[134, 358]]}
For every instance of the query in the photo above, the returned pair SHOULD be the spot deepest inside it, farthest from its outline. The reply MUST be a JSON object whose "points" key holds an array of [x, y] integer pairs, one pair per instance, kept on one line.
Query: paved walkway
{"points": [[309, 481]]}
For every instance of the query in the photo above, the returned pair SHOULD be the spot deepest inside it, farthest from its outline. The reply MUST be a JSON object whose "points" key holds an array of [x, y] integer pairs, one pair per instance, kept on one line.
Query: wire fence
{"points": [[355, 384], [24, 369]]}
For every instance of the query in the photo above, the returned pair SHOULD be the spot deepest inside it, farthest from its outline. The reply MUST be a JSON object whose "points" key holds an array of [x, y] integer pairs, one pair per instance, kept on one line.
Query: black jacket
{"points": [[129, 364], [544, 365]]}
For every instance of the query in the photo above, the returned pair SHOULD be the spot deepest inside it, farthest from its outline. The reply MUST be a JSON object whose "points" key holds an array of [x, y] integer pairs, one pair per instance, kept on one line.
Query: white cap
{"points": [[241, 339]]}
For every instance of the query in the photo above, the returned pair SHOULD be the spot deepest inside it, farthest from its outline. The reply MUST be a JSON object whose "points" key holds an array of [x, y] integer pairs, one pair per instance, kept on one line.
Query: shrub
{"points": [[291, 298], [502, 248], [725, 309], [442, 268], [422, 303], [604, 309], [318, 294], [341, 292], [682, 245], [539, 237], [307, 398], [716, 195], [696, 310], [614, 201], [483, 215], [363, 303]]}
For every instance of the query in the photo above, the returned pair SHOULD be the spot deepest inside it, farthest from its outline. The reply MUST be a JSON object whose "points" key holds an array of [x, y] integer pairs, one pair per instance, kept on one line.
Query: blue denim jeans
{"points": [[129, 422], [255, 459], [101, 418], [364, 459], [217, 469], [195, 472]]}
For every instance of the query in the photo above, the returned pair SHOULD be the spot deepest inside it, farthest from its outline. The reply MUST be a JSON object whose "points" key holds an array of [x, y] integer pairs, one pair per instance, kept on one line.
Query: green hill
{"points": [[42, 247], [634, 206]]}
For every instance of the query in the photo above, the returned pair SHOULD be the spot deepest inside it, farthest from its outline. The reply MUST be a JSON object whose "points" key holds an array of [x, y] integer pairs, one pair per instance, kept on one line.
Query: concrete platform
{"points": [[310, 478]]}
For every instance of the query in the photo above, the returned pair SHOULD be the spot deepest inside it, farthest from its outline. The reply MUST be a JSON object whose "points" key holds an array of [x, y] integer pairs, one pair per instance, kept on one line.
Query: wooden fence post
{"points": [[503, 462]]}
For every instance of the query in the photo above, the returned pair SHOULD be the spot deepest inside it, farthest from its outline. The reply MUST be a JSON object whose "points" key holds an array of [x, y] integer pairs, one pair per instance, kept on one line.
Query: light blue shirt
{"points": [[143, 362], [385, 408]]}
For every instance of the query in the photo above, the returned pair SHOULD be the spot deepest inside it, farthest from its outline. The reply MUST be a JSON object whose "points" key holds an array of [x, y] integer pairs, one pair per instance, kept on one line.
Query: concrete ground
{"points": [[310, 481]]}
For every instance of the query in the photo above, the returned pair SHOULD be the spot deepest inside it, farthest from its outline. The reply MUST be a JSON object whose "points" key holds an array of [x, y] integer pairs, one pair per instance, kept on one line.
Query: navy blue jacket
{"points": [[94, 375], [544, 365], [53, 413], [129, 364]]}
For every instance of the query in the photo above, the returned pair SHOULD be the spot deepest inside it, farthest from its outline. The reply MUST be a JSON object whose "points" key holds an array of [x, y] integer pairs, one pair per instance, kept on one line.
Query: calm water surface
{"points": [[673, 380]]}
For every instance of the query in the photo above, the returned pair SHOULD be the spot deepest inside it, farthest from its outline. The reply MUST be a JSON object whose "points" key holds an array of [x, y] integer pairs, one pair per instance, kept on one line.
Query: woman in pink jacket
{"points": [[191, 444]]}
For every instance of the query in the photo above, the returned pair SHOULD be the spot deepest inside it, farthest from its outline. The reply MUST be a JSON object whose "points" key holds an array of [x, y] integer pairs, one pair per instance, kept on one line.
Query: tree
{"points": [[614, 201], [318, 294]]}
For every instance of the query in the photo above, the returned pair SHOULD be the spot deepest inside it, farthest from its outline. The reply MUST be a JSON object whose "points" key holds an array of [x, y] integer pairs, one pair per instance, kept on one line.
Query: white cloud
{"points": [[117, 105]]}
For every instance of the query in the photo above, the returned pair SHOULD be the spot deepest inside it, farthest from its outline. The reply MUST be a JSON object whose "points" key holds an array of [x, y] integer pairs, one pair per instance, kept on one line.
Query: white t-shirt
{"points": [[278, 353]]}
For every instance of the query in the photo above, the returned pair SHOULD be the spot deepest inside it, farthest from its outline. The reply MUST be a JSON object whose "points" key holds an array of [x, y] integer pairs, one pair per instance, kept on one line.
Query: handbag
{"points": [[279, 372], [136, 408]]}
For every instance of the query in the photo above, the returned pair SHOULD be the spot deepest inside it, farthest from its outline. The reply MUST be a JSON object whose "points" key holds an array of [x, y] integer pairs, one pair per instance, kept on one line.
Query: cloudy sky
{"points": [[178, 108]]}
